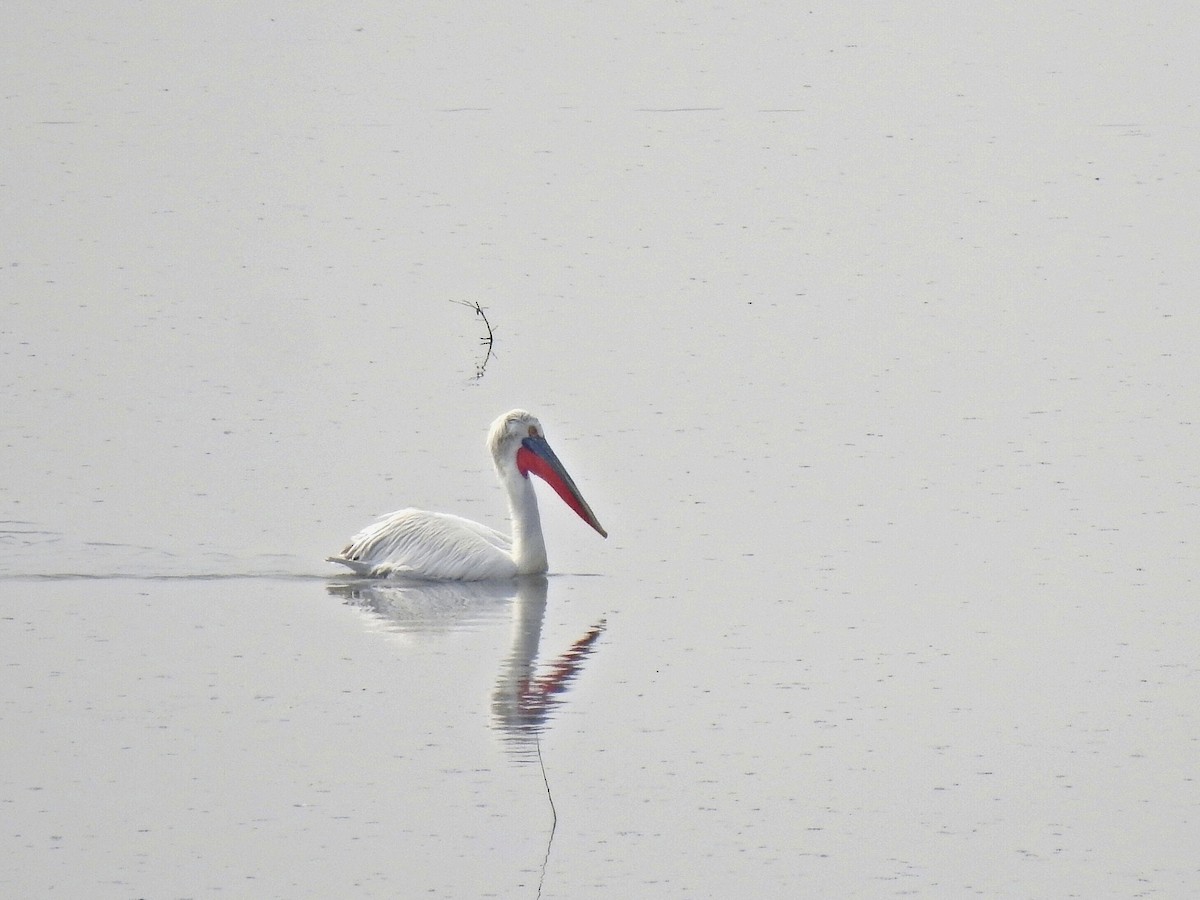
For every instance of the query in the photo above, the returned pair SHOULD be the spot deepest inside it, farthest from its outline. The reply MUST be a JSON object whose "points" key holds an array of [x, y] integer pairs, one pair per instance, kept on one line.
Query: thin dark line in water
{"points": [[338, 577], [537, 742], [142, 576]]}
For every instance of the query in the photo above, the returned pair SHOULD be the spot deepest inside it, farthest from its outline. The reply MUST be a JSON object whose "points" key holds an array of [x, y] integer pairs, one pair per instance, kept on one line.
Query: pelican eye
{"points": [[533, 432]]}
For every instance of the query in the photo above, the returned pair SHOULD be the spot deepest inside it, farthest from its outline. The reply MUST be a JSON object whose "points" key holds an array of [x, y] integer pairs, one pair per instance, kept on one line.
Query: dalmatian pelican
{"points": [[413, 543]]}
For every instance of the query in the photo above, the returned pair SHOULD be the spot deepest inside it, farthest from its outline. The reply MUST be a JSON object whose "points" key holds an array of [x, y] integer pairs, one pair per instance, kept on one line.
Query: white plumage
{"points": [[418, 544]]}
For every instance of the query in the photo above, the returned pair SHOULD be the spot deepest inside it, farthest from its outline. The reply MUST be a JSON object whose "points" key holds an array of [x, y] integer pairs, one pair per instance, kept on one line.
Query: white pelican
{"points": [[417, 544]]}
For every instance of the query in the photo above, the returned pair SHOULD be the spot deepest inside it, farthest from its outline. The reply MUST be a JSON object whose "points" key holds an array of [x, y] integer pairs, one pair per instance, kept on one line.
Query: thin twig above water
{"points": [[487, 340]]}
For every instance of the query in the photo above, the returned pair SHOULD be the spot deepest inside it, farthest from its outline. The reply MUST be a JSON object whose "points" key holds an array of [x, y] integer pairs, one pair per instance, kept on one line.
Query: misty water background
{"points": [[869, 335]]}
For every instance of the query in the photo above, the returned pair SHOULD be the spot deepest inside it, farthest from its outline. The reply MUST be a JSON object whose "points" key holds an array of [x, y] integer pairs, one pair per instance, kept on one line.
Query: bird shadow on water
{"points": [[526, 695]]}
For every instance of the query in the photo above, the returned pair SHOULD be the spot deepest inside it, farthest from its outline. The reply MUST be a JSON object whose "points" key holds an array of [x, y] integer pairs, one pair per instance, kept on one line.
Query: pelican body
{"points": [[414, 543]]}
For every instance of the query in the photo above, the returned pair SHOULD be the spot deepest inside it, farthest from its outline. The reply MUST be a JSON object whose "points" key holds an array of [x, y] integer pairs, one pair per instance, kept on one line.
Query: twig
{"points": [[487, 341], [553, 814]]}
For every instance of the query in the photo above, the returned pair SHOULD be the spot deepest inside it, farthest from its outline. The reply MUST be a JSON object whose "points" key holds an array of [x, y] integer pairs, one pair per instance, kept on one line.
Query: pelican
{"points": [[414, 543]]}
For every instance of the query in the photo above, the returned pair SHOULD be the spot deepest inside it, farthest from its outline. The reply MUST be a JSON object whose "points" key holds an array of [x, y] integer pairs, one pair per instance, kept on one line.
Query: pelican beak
{"points": [[534, 455]]}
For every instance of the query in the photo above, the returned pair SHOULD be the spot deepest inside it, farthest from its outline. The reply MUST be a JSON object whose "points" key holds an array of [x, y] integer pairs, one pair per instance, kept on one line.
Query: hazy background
{"points": [[869, 334]]}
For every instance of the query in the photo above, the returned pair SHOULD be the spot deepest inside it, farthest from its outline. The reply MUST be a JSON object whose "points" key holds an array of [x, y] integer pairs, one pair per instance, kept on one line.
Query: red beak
{"points": [[534, 455]]}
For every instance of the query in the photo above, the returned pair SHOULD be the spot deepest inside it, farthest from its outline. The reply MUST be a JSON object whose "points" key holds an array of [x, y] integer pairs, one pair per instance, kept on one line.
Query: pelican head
{"points": [[518, 447]]}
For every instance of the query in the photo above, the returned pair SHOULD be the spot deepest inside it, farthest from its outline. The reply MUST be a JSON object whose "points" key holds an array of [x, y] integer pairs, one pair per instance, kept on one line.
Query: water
{"points": [[870, 341]]}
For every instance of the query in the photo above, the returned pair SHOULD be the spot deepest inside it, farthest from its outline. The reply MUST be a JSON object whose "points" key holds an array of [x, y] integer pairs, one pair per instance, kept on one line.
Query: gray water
{"points": [[869, 335]]}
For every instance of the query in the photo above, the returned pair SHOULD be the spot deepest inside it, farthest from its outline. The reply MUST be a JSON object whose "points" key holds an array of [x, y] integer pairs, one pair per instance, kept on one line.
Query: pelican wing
{"points": [[420, 544]]}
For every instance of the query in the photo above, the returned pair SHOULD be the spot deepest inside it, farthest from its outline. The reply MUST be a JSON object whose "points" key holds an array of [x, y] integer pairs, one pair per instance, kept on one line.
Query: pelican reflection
{"points": [[523, 701], [427, 607], [525, 696]]}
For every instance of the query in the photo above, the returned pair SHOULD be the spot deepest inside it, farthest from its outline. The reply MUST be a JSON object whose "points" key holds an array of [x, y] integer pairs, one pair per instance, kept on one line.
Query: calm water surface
{"points": [[871, 342]]}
